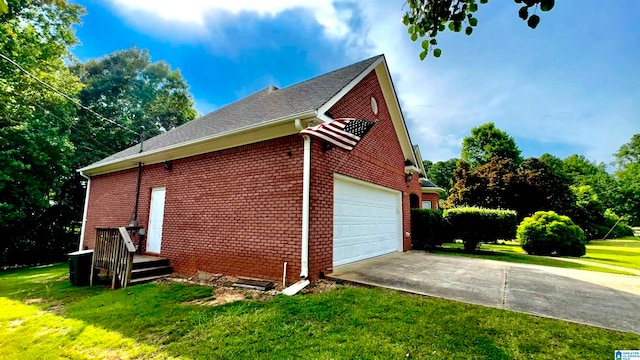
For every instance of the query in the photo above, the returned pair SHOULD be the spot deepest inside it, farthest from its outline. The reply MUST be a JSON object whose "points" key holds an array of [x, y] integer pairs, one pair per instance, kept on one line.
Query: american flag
{"points": [[344, 133]]}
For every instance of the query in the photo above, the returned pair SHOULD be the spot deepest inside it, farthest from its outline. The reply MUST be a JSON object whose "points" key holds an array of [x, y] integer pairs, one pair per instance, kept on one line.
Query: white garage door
{"points": [[366, 220]]}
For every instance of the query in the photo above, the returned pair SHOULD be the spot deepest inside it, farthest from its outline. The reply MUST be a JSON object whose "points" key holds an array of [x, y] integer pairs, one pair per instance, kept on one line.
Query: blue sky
{"points": [[570, 86]]}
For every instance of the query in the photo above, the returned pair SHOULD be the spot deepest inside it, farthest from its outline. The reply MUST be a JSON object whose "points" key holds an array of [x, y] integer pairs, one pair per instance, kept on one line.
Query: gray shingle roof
{"points": [[261, 107], [426, 183]]}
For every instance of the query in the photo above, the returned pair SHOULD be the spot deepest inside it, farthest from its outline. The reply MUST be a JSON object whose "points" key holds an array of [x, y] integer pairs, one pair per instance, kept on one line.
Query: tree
{"points": [[527, 188], [629, 153], [490, 185], [34, 123], [588, 212], [458, 195], [127, 87], [583, 172], [628, 180], [441, 173], [539, 188], [629, 193], [577, 166], [426, 18], [554, 163], [427, 165], [486, 142]]}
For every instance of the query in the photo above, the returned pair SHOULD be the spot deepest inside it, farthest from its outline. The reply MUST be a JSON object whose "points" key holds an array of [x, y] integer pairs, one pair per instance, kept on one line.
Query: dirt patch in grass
{"points": [[33, 301], [224, 292], [221, 296]]}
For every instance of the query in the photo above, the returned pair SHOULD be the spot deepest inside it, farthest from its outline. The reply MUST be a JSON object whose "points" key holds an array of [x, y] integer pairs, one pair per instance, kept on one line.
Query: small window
{"points": [[426, 204]]}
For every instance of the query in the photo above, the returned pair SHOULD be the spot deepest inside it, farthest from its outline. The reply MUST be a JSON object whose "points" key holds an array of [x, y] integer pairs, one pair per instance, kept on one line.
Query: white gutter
{"points": [[84, 212], [323, 117]]}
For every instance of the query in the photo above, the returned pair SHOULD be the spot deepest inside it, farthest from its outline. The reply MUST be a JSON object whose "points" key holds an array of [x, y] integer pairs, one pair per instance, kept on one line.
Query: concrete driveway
{"points": [[606, 300]]}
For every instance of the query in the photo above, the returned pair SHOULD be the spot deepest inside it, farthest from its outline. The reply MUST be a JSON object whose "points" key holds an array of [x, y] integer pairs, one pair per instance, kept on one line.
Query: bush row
{"points": [[474, 225], [431, 228], [543, 233], [428, 229]]}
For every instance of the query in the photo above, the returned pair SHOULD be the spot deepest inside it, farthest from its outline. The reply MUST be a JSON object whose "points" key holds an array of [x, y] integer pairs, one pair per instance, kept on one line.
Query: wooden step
{"points": [[145, 261], [150, 271], [146, 279]]}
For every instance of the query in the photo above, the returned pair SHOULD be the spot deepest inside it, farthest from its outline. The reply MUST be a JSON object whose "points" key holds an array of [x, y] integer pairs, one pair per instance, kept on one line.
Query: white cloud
{"points": [[196, 13], [478, 79]]}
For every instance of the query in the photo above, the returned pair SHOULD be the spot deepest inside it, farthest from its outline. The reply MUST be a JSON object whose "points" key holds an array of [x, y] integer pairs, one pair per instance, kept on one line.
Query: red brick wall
{"points": [[377, 158], [236, 211], [434, 198]]}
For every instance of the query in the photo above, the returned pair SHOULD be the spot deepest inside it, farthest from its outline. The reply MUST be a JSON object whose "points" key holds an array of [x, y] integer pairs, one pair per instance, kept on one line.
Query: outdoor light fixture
{"points": [[408, 177], [168, 165]]}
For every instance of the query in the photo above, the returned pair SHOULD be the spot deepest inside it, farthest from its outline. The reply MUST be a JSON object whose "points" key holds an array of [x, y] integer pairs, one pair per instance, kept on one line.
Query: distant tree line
{"points": [[44, 137], [492, 173]]}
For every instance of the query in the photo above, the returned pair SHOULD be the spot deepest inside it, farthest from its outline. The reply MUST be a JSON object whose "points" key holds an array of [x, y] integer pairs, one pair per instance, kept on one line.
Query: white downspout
{"points": [[306, 182], [84, 213]]}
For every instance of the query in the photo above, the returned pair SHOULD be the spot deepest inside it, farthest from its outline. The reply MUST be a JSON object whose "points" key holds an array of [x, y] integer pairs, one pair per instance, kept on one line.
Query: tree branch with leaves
{"points": [[426, 18]]}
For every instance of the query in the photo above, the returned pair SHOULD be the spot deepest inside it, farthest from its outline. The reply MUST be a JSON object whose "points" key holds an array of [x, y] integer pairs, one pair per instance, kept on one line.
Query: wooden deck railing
{"points": [[113, 252]]}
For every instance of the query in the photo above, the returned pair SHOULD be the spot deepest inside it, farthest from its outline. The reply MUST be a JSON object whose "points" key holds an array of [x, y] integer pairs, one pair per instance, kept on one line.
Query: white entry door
{"points": [[367, 220], [156, 217]]}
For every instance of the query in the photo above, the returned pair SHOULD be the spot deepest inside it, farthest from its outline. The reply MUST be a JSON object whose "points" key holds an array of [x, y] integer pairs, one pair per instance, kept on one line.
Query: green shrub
{"points": [[547, 233], [428, 229], [475, 225]]}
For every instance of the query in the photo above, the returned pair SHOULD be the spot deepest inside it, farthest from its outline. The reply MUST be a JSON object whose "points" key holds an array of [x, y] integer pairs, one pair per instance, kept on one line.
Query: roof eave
{"points": [[432, 190], [128, 161], [420, 164]]}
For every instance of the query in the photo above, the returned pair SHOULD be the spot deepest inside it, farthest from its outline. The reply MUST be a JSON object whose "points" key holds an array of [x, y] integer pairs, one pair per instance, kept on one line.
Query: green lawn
{"points": [[620, 252], [43, 317]]}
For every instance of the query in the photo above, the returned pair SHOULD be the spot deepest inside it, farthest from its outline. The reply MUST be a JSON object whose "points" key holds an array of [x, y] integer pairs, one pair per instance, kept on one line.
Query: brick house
{"points": [[239, 191], [430, 192]]}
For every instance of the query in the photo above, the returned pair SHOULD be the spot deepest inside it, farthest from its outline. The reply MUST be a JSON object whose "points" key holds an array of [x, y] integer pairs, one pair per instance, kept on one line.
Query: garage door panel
{"points": [[366, 221]]}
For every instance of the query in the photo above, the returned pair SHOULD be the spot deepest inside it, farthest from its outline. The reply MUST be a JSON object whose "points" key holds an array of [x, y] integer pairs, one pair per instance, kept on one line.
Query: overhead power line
{"points": [[88, 135], [75, 102]]}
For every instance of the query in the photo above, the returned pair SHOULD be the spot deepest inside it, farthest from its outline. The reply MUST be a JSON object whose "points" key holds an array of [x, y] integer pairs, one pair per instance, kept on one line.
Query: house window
{"points": [[426, 204]]}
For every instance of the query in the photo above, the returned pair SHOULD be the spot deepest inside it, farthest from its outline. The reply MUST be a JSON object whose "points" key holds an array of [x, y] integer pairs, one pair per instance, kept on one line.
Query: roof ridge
{"points": [[270, 89], [333, 71]]}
